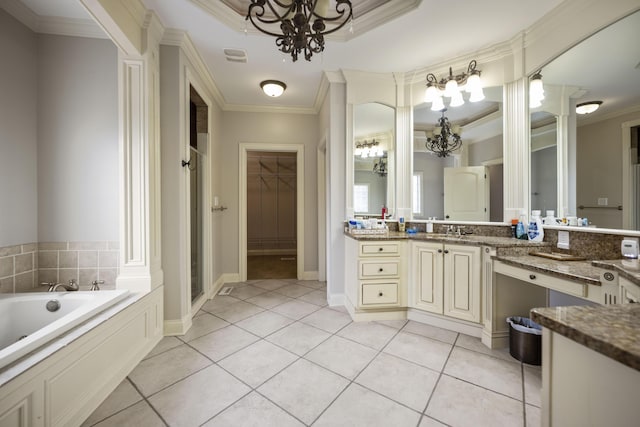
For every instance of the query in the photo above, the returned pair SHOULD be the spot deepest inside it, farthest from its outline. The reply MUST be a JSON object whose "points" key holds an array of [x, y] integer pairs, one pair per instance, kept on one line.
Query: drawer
{"points": [[542, 279], [380, 249], [379, 294], [373, 269]]}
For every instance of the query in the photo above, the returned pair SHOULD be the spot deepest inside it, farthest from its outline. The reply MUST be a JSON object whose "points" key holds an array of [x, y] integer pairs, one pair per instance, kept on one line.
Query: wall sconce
{"points": [[536, 90], [452, 87]]}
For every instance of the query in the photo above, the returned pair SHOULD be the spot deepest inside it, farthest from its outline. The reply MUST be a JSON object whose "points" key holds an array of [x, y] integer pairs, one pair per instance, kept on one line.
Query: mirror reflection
{"points": [[373, 161], [602, 68], [544, 184], [467, 184]]}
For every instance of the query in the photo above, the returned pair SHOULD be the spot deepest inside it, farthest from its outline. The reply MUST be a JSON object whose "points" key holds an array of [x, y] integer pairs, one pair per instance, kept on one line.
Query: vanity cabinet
{"points": [[375, 277], [446, 279]]}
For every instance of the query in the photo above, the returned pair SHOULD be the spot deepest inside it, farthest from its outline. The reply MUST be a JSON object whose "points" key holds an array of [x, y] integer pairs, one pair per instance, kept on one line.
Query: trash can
{"points": [[525, 340]]}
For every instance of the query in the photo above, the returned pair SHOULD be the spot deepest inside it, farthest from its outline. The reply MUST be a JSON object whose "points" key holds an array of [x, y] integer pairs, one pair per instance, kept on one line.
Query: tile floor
{"points": [[274, 354]]}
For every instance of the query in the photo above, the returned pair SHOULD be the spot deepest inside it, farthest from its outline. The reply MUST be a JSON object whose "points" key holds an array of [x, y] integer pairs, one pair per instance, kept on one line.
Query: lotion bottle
{"points": [[535, 232]]}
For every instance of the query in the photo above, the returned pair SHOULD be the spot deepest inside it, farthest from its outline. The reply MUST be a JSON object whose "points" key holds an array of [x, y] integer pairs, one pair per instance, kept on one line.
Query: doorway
{"points": [[271, 211], [271, 215], [198, 140]]}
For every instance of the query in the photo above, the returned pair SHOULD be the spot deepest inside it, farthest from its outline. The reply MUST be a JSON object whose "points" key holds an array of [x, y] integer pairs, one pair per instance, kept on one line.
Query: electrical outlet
{"points": [[563, 239], [603, 201]]}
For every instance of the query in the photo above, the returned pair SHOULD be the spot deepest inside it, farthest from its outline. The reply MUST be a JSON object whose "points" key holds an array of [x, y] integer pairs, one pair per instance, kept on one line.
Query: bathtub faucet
{"points": [[72, 286]]}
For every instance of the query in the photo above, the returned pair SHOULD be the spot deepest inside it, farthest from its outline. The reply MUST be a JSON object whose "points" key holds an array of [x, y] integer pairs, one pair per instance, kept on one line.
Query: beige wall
{"points": [[599, 169], [273, 128]]}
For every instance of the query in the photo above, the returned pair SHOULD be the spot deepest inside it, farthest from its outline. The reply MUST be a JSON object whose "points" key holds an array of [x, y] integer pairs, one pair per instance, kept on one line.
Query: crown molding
{"points": [[181, 39], [53, 24]]}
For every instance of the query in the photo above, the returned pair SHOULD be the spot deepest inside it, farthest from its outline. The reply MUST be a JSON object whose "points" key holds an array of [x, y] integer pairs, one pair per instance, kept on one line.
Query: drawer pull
{"points": [[380, 270], [380, 249], [439, 251], [532, 276], [380, 294]]}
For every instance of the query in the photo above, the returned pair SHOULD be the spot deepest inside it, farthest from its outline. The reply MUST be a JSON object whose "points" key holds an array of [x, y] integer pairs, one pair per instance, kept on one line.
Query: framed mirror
{"points": [[601, 168], [544, 163], [373, 159], [467, 184]]}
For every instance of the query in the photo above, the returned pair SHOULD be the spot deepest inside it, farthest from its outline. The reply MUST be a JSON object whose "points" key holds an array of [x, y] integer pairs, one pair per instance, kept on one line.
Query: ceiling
{"points": [[388, 36]]}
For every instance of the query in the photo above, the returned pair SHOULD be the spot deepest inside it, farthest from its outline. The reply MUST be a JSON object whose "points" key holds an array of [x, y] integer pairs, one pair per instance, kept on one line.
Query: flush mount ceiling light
{"points": [[588, 107], [536, 90], [446, 138], [452, 87], [273, 88], [298, 25]]}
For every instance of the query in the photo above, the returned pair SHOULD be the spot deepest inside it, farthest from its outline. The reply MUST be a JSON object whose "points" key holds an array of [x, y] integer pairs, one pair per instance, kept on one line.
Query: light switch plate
{"points": [[563, 239]]}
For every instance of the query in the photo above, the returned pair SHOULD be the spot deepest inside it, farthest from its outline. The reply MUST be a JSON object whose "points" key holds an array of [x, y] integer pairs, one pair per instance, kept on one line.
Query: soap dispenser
{"points": [[521, 228]]}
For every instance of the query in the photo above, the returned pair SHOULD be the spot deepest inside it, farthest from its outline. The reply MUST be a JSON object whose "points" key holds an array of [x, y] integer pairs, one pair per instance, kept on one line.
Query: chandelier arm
{"points": [[341, 7], [472, 67], [432, 79], [260, 12]]}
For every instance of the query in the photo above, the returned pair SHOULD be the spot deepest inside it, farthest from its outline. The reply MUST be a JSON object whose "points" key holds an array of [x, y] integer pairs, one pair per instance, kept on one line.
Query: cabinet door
{"points": [[462, 282], [427, 277]]}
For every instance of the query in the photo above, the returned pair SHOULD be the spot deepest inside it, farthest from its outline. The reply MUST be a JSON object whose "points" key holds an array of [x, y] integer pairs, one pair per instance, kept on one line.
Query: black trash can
{"points": [[525, 340]]}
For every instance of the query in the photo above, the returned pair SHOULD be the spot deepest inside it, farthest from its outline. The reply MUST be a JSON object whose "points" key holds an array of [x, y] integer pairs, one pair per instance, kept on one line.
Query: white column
{"points": [[404, 148], [516, 149], [140, 250]]}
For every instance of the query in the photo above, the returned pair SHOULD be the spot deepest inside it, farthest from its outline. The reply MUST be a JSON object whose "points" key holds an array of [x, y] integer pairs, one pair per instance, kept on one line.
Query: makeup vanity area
{"points": [[540, 158]]}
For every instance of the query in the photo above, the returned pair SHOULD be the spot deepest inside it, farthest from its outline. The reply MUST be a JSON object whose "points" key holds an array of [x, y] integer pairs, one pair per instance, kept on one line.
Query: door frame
{"points": [[627, 188], [322, 210], [244, 148]]}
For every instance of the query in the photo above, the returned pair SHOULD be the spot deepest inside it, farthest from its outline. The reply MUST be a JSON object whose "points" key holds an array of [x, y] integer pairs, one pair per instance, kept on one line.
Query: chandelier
{"points": [[452, 87], [366, 149], [445, 139], [299, 26], [380, 166]]}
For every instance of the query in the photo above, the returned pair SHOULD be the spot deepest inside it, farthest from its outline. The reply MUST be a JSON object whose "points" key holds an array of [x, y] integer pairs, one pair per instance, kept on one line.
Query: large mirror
{"points": [[544, 163], [602, 146], [454, 187], [373, 159]]}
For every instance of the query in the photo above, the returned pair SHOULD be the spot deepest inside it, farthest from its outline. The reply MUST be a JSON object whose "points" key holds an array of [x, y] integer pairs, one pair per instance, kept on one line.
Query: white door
{"points": [[466, 193], [427, 277]]}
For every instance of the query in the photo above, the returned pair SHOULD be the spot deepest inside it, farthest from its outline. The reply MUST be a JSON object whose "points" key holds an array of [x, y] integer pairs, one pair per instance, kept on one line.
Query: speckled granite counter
{"points": [[468, 239], [578, 271], [612, 330], [629, 269]]}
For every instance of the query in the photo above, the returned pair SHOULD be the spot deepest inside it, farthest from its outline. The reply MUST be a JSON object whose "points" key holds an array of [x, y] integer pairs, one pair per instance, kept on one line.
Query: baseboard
{"points": [[215, 288], [464, 327], [177, 327], [495, 340], [310, 275], [230, 278], [255, 252], [336, 300]]}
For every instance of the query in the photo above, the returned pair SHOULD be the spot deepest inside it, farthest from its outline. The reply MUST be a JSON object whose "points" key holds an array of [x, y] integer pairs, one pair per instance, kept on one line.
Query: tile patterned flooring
{"points": [[274, 354]]}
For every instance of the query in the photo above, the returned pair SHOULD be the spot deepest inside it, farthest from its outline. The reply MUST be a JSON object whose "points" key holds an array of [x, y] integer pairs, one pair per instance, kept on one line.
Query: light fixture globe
{"points": [[273, 88], [588, 107]]}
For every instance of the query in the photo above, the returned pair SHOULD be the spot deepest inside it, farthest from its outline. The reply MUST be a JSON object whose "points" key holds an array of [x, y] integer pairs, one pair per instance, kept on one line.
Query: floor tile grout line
{"points": [[153, 408], [119, 410], [277, 405], [441, 373]]}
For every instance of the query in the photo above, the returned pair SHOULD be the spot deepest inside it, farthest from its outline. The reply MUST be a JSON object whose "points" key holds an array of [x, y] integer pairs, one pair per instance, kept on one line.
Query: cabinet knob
{"points": [[532, 276], [446, 251], [380, 294], [380, 249], [439, 251], [380, 269]]}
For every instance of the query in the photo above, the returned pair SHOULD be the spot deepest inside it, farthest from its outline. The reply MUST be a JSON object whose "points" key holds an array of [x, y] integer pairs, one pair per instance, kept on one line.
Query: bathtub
{"points": [[29, 320]]}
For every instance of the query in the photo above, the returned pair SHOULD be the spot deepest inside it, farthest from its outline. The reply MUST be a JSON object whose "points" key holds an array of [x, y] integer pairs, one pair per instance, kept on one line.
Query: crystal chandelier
{"points": [[445, 139], [452, 87], [299, 26]]}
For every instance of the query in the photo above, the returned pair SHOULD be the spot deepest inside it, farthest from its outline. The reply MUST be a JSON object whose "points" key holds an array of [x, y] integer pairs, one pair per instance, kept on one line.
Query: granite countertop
{"points": [[629, 269], [612, 330], [580, 271], [467, 239]]}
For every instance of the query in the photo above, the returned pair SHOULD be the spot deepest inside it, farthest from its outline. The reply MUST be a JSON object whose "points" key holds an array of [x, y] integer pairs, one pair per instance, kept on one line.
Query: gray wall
{"points": [[18, 133], [599, 169], [432, 168], [58, 136], [240, 127], [77, 139], [544, 187]]}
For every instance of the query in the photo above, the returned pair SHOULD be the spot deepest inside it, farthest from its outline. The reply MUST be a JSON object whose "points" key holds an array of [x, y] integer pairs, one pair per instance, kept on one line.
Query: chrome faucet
{"points": [[72, 286], [450, 229], [94, 285]]}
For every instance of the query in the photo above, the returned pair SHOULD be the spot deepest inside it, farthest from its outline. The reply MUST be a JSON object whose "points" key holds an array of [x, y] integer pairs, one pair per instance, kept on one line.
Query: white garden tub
{"points": [[26, 322]]}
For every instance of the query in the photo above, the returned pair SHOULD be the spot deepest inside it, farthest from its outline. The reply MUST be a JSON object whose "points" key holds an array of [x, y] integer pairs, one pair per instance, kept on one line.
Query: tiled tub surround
{"points": [[18, 267], [23, 267], [83, 261]]}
